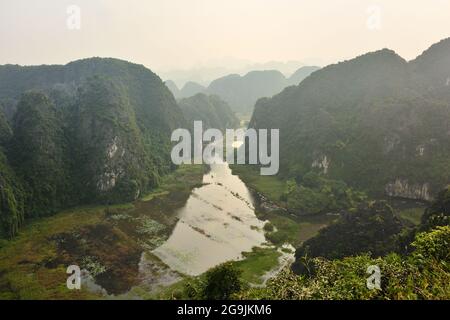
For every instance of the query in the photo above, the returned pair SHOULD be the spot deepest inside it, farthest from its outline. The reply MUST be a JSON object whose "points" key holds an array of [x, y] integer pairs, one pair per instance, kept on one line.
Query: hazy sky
{"points": [[173, 34]]}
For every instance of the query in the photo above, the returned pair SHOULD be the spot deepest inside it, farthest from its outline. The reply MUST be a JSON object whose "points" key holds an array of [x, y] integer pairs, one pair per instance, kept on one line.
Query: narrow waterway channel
{"points": [[217, 224]]}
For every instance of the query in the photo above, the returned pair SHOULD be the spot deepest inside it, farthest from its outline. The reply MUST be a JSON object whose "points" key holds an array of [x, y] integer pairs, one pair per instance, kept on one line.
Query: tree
{"points": [[438, 214], [221, 282], [372, 228]]}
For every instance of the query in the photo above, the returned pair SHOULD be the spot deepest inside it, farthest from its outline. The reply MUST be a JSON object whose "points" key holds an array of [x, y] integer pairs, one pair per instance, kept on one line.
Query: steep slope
{"points": [[11, 197], [366, 121], [438, 213], [241, 93], [15, 79], [433, 65], [12, 211], [301, 74], [37, 154], [110, 157], [94, 130], [190, 89], [173, 88], [211, 110], [147, 92], [5, 129]]}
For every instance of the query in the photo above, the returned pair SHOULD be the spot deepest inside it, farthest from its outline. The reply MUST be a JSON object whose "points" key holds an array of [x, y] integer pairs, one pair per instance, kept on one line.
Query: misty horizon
{"points": [[195, 41], [255, 151]]}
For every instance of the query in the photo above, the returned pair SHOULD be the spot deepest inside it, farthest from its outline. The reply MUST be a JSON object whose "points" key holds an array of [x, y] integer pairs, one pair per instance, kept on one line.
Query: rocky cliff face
{"points": [[402, 189], [95, 130], [383, 121], [322, 164], [110, 154]]}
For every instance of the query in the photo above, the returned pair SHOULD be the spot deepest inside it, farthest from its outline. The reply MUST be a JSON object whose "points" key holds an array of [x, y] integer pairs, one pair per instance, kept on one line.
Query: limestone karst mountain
{"points": [[94, 130], [377, 122], [211, 110], [242, 92]]}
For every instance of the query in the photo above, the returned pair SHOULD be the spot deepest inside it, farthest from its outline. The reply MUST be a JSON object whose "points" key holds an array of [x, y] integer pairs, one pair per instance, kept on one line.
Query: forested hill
{"points": [[147, 92], [300, 75], [377, 122], [94, 130], [242, 92], [211, 110]]}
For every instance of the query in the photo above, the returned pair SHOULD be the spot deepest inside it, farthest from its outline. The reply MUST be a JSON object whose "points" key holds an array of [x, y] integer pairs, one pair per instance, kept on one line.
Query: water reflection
{"points": [[216, 225]]}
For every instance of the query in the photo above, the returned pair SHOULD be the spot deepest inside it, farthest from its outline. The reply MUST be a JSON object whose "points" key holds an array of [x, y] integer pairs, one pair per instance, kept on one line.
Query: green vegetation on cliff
{"points": [[92, 131], [375, 122], [38, 153], [316, 195], [12, 213], [438, 214], [211, 110]]}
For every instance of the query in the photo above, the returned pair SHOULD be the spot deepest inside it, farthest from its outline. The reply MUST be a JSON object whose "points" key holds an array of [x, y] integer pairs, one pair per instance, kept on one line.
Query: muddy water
{"points": [[216, 225]]}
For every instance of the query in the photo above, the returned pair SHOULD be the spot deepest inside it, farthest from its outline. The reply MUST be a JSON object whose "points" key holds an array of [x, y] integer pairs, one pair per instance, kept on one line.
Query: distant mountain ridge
{"points": [[242, 92], [205, 73]]}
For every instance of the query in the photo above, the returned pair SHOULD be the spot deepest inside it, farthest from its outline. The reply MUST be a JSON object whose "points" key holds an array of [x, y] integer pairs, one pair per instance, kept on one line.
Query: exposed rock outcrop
{"points": [[322, 163], [401, 188]]}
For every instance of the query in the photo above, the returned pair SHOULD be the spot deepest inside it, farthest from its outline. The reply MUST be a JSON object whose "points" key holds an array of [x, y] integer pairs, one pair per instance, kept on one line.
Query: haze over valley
{"points": [[94, 96]]}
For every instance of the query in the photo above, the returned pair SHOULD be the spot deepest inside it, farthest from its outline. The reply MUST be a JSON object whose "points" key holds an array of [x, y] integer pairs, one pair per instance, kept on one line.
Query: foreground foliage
{"points": [[218, 283], [333, 265], [425, 274], [372, 228]]}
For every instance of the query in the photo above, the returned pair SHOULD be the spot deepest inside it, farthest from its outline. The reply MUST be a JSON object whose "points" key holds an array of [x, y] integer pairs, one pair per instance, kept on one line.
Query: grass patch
{"points": [[175, 291], [183, 179], [153, 195], [271, 186], [413, 215], [293, 230], [289, 229], [256, 263], [253, 267]]}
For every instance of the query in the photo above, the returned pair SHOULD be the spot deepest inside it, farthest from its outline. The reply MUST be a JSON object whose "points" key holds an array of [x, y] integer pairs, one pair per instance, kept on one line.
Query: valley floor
{"points": [[108, 242], [295, 229], [98, 238]]}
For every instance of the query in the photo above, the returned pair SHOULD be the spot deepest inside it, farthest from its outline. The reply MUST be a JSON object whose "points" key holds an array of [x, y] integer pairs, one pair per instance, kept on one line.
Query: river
{"points": [[217, 224]]}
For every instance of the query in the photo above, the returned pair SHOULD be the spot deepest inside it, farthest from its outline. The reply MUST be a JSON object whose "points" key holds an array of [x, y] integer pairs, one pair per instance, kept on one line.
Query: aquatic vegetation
{"points": [[150, 227], [122, 216], [93, 266]]}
